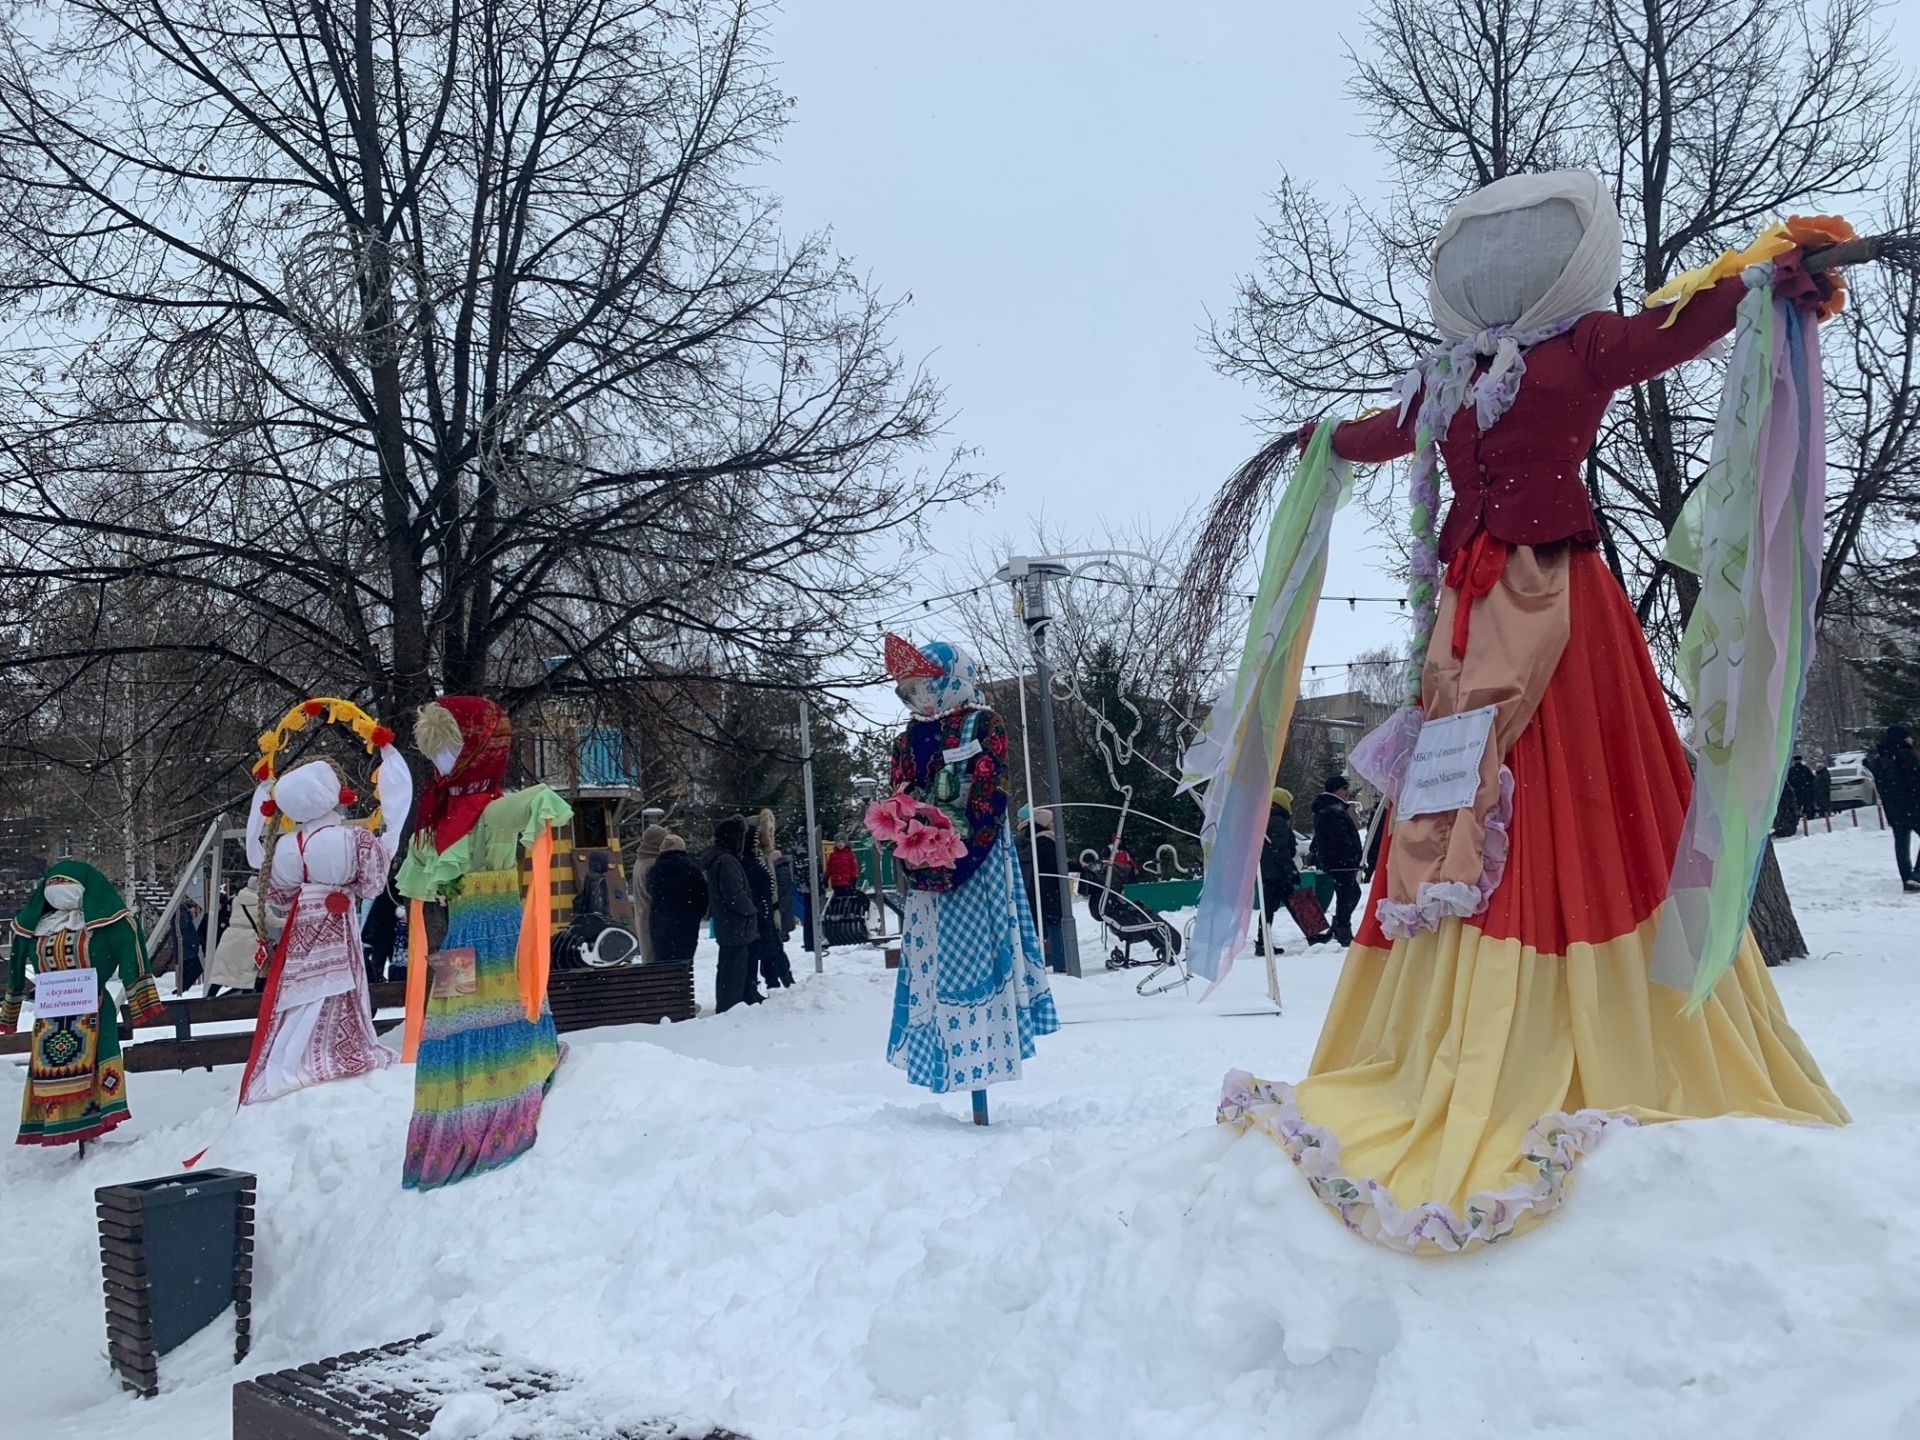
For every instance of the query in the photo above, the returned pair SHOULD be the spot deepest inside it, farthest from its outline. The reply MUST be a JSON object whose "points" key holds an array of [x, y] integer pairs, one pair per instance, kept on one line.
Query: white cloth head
{"points": [[308, 792], [1531, 252], [66, 894], [66, 901]]}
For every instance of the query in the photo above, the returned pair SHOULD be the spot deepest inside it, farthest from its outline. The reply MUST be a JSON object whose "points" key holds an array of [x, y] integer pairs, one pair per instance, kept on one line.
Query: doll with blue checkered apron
{"points": [[972, 994]]}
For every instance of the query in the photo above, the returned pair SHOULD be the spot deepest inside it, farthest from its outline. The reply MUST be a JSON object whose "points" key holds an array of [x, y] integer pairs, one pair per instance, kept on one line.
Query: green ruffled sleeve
{"points": [[513, 822], [426, 872], [505, 828]]}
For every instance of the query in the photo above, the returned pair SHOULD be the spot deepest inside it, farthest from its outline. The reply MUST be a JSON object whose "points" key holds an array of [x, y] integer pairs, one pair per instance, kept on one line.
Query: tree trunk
{"points": [[1772, 918]]}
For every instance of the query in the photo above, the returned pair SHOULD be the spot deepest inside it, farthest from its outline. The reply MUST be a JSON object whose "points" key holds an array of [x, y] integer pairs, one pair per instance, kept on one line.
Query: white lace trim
{"points": [[1553, 1145]]}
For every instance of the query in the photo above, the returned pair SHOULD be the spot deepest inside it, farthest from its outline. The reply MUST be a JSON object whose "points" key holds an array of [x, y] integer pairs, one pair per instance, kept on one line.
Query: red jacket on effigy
{"points": [[1523, 480]]}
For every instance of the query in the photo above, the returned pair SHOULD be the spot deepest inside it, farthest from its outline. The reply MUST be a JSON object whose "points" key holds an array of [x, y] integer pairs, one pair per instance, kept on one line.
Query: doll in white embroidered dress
{"points": [[315, 1018]]}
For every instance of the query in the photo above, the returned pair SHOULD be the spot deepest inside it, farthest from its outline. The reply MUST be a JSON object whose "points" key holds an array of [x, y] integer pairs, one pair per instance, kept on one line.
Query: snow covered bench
{"points": [[407, 1389]]}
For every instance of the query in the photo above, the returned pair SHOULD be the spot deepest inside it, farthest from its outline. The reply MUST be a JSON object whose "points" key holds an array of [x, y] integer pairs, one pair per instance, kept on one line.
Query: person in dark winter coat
{"points": [[1822, 789], [677, 896], [1338, 853], [377, 933], [1279, 871], [769, 947], [736, 922], [785, 892], [1896, 775], [1786, 815], [1800, 779]]}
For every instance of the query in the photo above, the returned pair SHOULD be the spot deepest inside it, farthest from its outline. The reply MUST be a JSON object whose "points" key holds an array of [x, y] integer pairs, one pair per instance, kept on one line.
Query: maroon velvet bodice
{"points": [[1523, 480]]}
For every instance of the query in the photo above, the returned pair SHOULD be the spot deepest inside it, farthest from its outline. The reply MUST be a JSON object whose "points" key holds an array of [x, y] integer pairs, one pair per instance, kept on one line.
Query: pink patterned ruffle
{"points": [[1553, 1145]]}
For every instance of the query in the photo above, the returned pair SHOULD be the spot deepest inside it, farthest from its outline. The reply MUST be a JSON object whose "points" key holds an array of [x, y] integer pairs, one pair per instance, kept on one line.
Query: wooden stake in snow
{"points": [[979, 1107]]}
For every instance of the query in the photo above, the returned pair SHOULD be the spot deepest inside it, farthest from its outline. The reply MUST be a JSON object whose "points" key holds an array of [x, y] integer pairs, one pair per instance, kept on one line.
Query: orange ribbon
{"points": [[536, 928], [416, 980]]}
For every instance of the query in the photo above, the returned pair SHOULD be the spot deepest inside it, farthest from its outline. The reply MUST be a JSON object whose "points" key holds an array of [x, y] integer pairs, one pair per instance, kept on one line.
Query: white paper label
{"points": [[65, 992], [960, 754], [1444, 773]]}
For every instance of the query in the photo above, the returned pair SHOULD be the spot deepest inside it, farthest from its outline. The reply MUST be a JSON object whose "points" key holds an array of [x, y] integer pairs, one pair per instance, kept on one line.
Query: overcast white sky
{"points": [[1067, 189]]}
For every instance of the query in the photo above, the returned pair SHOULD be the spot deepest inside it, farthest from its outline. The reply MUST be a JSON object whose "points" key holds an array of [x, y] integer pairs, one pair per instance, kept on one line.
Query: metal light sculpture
{"points": [[348, 289], [211, 382], [533, 447]]}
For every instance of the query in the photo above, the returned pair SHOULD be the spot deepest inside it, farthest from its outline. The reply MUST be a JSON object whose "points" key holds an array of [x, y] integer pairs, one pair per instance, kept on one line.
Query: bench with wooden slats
{"points": [[624, 995], [376, 1395]]}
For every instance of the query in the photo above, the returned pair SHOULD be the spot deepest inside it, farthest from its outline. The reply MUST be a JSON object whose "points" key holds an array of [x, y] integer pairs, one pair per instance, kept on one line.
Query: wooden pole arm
{"points": [[1854, 252]]}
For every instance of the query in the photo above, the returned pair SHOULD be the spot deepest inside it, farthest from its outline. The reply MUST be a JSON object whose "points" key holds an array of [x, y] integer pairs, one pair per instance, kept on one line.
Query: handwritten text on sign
{"points": [[1445, 771], [65, 992]]}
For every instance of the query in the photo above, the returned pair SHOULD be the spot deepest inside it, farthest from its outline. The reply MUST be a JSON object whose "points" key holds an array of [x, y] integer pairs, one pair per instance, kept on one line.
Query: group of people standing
{"points": [[1809, 790], [749, 894], [1895, 767], [1336, 851]]}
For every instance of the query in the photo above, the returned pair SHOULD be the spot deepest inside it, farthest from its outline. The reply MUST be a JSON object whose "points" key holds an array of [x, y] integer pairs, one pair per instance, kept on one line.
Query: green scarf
{"points": [[103, 904]]}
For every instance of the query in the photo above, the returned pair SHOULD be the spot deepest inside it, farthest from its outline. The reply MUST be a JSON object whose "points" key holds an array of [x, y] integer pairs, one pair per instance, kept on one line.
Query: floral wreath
{"points": [[333, 711]]}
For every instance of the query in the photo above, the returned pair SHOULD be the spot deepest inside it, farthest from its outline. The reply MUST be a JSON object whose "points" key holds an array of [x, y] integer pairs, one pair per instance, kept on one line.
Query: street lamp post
{"points": [[813, 836], [1029, 575]]}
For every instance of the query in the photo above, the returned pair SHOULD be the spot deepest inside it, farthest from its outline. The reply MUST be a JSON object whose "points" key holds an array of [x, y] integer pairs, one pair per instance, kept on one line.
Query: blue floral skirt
{"points": [[972, 994]]}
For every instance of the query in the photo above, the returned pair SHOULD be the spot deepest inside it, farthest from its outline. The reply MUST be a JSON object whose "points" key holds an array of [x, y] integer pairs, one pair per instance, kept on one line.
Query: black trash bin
{"points": [[175, 1253]]}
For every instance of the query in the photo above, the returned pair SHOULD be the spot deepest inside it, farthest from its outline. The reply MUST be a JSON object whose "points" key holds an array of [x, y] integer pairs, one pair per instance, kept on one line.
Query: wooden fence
{"points": [[580, 999]]}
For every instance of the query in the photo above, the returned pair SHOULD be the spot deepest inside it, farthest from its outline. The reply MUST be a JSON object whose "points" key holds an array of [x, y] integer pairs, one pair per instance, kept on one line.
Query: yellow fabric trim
{"points": [[1438, 1055], [1772, 243]]}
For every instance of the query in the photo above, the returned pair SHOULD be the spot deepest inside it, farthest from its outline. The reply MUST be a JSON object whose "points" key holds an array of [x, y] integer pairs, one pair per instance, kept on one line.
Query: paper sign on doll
{"points": [[66, 992], [1445, 771]]}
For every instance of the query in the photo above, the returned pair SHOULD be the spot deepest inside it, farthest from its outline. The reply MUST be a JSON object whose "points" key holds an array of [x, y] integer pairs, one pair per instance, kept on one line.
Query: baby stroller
{"points": [[845, 920], [1129, 923]]}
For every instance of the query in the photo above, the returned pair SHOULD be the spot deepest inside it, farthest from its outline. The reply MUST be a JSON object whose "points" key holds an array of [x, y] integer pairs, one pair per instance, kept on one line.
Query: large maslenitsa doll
{"points": [[478, 1023], [75, 934], [1555, 940]]}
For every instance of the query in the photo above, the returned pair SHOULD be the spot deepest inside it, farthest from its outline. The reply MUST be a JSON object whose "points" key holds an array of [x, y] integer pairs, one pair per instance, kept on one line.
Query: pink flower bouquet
{"points": [[887, 819], [922, 835]]}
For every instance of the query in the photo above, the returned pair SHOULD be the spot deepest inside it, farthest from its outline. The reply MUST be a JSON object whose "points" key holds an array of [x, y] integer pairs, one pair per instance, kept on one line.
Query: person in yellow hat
{"points": [[1280, 872]]}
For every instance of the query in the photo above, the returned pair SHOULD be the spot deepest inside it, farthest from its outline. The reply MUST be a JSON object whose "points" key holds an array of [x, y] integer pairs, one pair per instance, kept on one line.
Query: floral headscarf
{"points": [[453, 801], [956, 687]]}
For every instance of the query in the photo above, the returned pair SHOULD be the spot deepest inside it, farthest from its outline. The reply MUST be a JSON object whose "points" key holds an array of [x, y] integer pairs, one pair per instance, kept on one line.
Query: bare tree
{"points": [[1129, 690], [407, 348]]}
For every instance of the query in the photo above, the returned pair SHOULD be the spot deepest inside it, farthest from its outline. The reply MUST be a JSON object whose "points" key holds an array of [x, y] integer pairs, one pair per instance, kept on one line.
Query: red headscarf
{"points": [[452, 803]]}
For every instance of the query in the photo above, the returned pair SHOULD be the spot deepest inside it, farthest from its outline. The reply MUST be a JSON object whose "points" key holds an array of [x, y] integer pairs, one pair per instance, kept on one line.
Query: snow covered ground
{"points": [[752, 1220]]}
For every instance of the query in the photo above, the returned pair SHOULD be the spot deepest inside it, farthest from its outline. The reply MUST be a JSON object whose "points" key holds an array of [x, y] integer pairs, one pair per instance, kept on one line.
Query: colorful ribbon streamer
{"points": [[1752, 532], [1234, 760]]}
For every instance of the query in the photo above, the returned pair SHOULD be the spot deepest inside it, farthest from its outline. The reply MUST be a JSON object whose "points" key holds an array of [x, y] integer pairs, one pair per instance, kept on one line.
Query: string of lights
{"points": [[921, 608], [1152, 587]]}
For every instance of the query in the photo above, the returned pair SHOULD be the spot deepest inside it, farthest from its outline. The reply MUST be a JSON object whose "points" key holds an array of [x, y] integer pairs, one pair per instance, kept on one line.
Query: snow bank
{"points": [[751, 1220]]}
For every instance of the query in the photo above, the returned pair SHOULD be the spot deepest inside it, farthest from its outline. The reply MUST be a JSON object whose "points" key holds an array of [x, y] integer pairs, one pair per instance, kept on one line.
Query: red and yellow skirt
{"points": [[1462, 1072]]}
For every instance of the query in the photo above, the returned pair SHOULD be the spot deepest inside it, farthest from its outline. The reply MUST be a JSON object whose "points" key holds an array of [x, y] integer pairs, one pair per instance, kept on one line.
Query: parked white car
{"points": [[1852, 781]]}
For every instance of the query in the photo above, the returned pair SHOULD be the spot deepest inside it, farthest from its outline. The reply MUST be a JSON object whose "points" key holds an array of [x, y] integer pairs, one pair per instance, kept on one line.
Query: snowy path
{"points": [[753, 1220]]}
